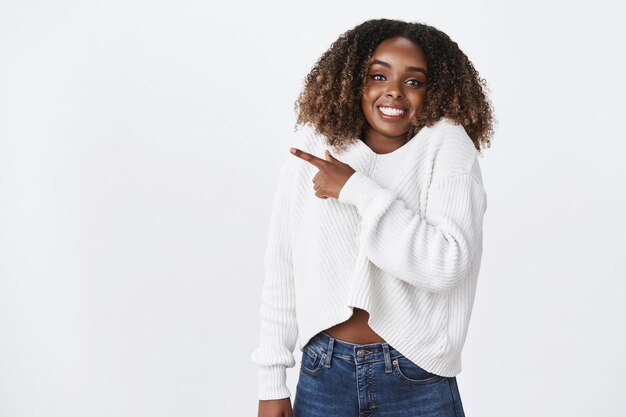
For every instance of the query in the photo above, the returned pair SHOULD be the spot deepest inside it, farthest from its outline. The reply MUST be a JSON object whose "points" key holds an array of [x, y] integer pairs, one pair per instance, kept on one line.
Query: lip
{"points": [[387, 117]]}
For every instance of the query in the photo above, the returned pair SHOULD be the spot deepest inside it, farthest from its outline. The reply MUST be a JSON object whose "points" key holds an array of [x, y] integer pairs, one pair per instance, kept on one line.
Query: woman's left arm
{"points": [[435, 251]]}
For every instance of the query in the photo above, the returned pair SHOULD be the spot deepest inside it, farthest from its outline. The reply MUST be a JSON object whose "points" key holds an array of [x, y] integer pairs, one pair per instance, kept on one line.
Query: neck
{"points": [[383, 144]]}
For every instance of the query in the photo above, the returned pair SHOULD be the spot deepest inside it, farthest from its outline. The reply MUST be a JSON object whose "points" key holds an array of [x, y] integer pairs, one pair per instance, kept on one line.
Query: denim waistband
{"points": [[352, 352]]}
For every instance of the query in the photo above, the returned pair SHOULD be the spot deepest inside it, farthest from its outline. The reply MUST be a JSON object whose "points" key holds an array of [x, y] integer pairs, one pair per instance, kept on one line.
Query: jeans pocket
{"points": [[312, 360], [411, 373]]}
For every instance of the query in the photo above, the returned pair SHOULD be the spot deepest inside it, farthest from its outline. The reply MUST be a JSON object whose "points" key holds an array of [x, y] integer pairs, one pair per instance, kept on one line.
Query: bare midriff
{"points": [[355, 329]]}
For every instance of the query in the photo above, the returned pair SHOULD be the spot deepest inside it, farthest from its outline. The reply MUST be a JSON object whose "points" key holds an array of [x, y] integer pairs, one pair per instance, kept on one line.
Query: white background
{"points": [[139, 150]]}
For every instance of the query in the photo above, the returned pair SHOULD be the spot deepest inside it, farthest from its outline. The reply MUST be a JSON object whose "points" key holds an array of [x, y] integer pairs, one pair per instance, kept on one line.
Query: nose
{"points": [[394, 90]]}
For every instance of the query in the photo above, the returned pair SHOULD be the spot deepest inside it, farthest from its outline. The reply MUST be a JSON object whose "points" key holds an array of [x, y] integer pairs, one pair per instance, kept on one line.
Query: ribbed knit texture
{"points": [[402, 241]]}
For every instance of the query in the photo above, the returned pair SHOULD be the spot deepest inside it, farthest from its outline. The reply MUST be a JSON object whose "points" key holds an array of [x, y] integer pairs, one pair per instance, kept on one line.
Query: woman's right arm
{"points": [[279, 330]]}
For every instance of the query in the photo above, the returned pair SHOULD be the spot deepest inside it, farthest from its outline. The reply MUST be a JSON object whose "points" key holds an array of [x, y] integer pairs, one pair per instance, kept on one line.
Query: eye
{"points": [[373, 76], [416, 83]]}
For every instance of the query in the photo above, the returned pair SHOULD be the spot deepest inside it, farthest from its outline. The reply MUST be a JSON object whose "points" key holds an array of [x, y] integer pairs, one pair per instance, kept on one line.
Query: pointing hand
{"points": [[332, 174]]}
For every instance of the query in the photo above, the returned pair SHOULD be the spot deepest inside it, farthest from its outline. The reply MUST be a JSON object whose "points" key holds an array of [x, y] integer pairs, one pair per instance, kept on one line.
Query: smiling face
{"points": [[394, 90]]}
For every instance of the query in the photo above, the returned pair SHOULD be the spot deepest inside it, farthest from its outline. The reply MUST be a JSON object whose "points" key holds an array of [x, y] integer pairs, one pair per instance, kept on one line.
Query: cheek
{"points": [[370, 93], [417, 108], [418, 101], [366, 103], [363, 100]]}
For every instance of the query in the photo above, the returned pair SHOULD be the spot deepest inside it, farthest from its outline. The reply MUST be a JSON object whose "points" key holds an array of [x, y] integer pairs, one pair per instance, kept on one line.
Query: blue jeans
{"points": [[343, 379]]}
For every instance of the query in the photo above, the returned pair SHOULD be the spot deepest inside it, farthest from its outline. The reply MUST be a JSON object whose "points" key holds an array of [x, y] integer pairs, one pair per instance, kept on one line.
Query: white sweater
{"points": [[402, 241]]}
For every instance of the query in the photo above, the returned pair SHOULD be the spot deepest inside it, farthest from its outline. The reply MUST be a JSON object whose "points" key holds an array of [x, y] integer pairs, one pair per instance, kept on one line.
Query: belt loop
{"points": [[329, 352], [387, 357]]}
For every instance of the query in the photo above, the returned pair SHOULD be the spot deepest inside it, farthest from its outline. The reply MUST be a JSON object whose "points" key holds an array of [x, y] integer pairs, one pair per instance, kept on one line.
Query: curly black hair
{"points": [[331, 98]]}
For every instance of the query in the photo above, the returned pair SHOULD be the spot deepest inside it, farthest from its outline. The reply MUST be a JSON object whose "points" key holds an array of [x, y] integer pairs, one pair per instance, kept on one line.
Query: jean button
{"points": [[360, 353]]}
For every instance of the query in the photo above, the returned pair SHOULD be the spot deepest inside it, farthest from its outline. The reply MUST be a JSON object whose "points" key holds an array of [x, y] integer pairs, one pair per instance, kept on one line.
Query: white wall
{"points": [[139, 148]]}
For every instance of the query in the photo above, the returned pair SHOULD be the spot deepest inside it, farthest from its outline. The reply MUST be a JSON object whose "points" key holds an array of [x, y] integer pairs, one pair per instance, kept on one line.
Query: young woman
{"points": [[375, 238]]}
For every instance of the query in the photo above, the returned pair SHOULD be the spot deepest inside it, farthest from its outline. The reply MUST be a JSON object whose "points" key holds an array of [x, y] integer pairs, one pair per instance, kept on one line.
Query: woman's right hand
{"points": [[275, 408]]}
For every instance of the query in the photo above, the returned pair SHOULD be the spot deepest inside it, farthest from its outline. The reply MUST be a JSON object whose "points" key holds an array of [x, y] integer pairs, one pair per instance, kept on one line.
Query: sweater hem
{"points": [[439, 364]]}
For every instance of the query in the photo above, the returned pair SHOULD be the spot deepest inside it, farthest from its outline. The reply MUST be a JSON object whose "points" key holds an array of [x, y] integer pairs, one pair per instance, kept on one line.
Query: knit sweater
{"points": [[403, 241]]}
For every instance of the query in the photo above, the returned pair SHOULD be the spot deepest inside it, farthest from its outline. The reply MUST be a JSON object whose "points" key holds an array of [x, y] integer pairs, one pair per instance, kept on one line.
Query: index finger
{"points": [[312, 159]]}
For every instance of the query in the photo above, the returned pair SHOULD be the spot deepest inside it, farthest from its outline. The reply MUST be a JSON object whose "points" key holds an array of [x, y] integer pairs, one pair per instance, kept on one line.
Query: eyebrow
{"points": [[412, 69]]}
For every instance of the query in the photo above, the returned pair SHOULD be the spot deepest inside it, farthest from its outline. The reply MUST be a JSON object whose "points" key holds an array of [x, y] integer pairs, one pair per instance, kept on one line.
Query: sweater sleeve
{"points": [[279, 332], [434, 251]]}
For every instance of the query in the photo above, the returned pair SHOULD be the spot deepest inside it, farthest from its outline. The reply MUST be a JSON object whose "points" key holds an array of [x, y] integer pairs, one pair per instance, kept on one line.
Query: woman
{"points": [[374, 269]]}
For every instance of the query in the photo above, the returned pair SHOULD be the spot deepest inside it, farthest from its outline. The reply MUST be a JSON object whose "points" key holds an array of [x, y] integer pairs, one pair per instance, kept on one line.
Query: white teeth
{"points": [[390, 111]]}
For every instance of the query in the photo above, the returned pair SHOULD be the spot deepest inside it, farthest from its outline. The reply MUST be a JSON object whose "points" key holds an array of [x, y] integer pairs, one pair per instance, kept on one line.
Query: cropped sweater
{"points": [[403, 241]]}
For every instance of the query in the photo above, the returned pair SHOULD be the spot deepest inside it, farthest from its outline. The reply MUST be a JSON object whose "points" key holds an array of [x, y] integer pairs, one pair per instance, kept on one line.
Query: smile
{"points": [[391, 112]]}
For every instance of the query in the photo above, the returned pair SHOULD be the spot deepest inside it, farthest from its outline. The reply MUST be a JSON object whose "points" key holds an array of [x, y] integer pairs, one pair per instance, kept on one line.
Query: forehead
{"points": [[400, 51]]}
